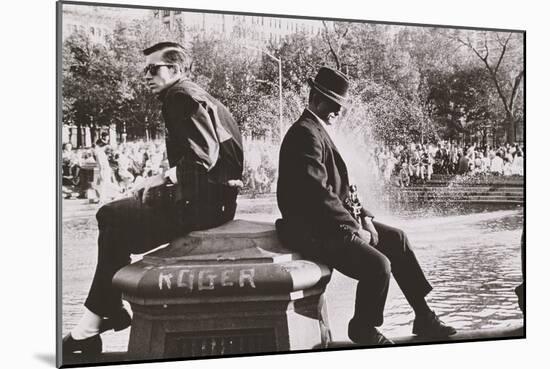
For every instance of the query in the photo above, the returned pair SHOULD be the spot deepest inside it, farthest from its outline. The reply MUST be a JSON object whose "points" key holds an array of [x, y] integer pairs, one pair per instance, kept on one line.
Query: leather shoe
{"points": [[88, 346], [371, 337], [117, 322], [431, 327]]}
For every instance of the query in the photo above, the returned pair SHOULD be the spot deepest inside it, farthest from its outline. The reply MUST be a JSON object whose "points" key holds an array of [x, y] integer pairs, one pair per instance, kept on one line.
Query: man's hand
{"points": [[364, 235], [368, 226], [142, 192]]}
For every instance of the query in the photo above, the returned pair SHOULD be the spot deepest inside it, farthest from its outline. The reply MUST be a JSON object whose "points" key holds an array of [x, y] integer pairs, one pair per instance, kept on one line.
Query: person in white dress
{"points": [[517, 164]]}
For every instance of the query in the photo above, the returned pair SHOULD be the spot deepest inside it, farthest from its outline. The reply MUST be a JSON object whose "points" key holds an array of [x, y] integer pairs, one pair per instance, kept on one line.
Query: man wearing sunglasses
{"points": [[199, 191]]}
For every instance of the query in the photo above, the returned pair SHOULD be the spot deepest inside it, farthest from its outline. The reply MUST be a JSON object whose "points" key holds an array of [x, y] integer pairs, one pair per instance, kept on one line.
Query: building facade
{"points": [[256, 30], [96, 21]]}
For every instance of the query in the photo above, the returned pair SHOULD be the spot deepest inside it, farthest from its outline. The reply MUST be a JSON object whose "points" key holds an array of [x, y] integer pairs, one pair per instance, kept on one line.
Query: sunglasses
{"points": [[154, 68]]}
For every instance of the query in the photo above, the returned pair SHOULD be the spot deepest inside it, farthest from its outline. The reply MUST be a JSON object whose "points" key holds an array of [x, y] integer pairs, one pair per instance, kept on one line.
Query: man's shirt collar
{"points": [[327, 127], [163, 93], [323, 123]]}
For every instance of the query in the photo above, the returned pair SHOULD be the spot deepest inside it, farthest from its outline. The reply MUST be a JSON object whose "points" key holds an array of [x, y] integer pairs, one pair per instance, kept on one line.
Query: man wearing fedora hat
{"points": [[313, 195]]}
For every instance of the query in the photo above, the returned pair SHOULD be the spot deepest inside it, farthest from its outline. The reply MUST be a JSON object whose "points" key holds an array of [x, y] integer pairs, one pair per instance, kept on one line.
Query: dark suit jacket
{"points": [[202, 140], [312, 186]]}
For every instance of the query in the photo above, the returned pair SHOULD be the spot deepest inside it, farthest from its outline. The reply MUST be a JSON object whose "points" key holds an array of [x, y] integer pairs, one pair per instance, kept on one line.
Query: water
{"points": [[471, 255], [473, 262]]}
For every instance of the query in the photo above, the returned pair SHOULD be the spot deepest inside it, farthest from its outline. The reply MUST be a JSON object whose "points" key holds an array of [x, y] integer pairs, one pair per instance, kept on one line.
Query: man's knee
{"points": [[384, 266], [379, 267]]}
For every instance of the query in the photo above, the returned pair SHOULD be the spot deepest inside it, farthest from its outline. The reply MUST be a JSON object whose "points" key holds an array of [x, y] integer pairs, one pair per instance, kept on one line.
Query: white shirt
{"points": [[171, 173], [497, 164]]}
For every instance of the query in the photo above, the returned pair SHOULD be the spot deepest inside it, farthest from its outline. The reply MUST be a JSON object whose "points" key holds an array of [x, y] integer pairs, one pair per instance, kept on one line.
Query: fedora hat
{"points": [[332, 84]]}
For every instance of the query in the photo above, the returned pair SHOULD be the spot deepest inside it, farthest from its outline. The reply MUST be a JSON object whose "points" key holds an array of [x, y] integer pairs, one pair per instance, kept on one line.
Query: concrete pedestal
{"points": [[228, 290]]}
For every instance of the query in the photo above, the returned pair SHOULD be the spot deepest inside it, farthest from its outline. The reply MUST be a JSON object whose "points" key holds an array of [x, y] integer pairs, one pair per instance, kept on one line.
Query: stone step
{"points": [[479, 199], [469, 201], [454, 184], [459, 194], [460, 197], [456, 194], [459, 190], [478, 177], [476, 181]]}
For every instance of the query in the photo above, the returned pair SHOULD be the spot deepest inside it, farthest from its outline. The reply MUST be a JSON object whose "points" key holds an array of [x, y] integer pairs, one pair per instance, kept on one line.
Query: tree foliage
{"points": [[502, 56], [408, 83], [461, 100]]}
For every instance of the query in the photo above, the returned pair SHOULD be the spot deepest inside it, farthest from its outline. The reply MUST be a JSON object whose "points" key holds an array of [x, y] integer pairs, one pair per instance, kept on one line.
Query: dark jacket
{"points": [[202, 141], [312, 186]]}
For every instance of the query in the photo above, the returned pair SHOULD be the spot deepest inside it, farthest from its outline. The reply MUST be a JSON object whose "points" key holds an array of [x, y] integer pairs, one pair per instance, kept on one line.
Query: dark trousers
{"points": [[128, 226], [372, 267]]}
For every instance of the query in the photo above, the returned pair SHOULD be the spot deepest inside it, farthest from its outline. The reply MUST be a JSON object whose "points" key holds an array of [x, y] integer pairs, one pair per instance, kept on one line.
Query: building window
{"points": [[165, 13], [177, 12], [262, 21], [279, 24]]}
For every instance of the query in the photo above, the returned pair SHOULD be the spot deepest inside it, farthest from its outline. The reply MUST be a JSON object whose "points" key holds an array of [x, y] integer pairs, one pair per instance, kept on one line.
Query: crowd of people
{"points": [[260, 167], [119, 168], [402, 165], [123, 167]]}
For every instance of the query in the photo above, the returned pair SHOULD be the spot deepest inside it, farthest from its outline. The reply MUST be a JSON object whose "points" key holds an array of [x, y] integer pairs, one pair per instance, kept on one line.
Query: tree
{"points": [[502, 57], [388, 82], [461, 101], [103, 83], [89, 82]]}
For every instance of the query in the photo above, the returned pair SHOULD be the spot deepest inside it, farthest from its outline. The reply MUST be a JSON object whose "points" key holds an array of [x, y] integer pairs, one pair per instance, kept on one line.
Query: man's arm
{"points": [[368, 225], [195, 130], [142, 192], [312, 181]]}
